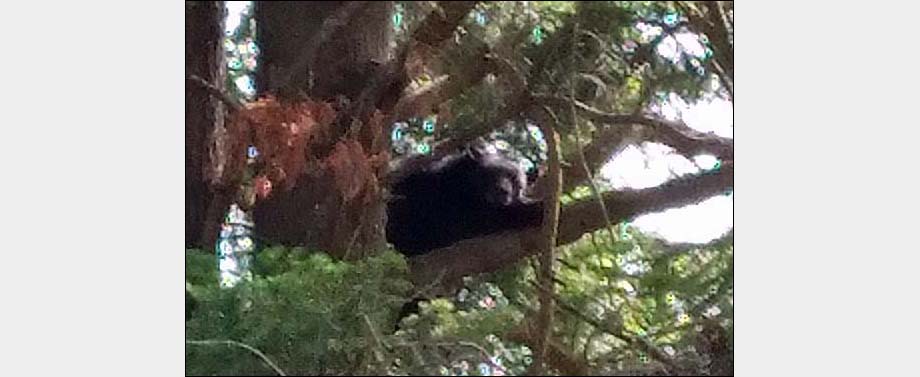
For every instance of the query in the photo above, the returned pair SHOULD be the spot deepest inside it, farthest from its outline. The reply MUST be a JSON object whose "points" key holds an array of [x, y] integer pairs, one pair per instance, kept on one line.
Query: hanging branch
{"points": [[635, 341], [581, 152], [249, 348], [216, 92], [546, 273]]}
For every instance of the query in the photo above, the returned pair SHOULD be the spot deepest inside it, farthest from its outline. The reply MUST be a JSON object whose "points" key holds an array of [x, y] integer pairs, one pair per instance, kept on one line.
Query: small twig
{"points": [[637, 341], [380, 344], [584, 163], [242, 345], [216, 92], [354, 238], [482, 351], [676, 134], [546, 273]]}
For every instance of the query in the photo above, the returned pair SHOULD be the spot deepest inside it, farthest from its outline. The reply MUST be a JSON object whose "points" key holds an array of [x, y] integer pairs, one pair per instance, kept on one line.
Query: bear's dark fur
{"points": [[436, 202]]}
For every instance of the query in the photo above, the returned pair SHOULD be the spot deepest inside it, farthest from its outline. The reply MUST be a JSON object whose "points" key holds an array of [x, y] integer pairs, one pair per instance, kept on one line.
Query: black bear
{"points": [[438, 201]]}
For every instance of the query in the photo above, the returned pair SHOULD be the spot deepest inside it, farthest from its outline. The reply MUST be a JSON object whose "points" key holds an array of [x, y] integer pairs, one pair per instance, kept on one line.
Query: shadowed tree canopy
{"points": [[348, 93], [477, 77]]}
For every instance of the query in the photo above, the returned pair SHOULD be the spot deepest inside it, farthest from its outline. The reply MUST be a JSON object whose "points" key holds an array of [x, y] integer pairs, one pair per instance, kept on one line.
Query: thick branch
{"points": [[494, 252], [425, 99], [437, 27], [583, 217], [676, 134], [622, 129]]}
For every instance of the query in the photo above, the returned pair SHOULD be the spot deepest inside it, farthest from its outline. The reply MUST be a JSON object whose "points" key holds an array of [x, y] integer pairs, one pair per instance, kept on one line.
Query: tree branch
{"points": [[676, 134], [715, 24], [249, 348], [622, 129], [516, 102], [440, 25], [425, 99], [606, 143], [546, 246], [497, 251], [583, 217], [679, 248], [556, 356], [635, 341], [437, 27], [216, 92], [520, 98]]}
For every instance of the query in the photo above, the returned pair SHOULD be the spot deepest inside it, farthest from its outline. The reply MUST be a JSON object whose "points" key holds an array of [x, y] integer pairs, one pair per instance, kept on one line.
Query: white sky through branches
{"points": [[651, 164]]}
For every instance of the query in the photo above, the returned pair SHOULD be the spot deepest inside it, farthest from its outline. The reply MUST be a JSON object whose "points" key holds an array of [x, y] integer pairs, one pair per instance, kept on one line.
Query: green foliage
{"points": [[200, 267], [614, 60], [617, 298], [638, 288], [313, 315], [462, 335], [577, 194], [308, 313]]}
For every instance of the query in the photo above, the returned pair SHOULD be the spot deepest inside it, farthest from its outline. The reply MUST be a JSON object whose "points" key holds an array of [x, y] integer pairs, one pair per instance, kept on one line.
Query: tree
{"points": [[530, 95], [319, 50], [338, 52], [203, 114], [339, 69], [342, 52]]}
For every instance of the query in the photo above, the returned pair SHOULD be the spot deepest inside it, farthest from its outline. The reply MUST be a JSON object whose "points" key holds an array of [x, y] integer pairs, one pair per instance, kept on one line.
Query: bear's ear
{"points": [[476, 150], [480, 147]]}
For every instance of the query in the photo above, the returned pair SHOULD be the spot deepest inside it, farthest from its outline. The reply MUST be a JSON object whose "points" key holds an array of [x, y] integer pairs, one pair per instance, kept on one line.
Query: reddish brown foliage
{"points": [[349, 168], [287, 136], [373, 136], [262, 186], [283, 133], [355, 166]]}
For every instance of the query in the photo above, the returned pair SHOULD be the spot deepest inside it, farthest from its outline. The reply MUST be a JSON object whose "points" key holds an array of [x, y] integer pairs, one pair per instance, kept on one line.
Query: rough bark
{"points": [[345, 47], [325, 50], [203, 113]]}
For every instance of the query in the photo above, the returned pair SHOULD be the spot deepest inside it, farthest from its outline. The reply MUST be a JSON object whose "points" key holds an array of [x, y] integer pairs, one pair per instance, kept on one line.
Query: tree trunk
{"points": [[203, 114], [297, 55], [341, 43]]}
